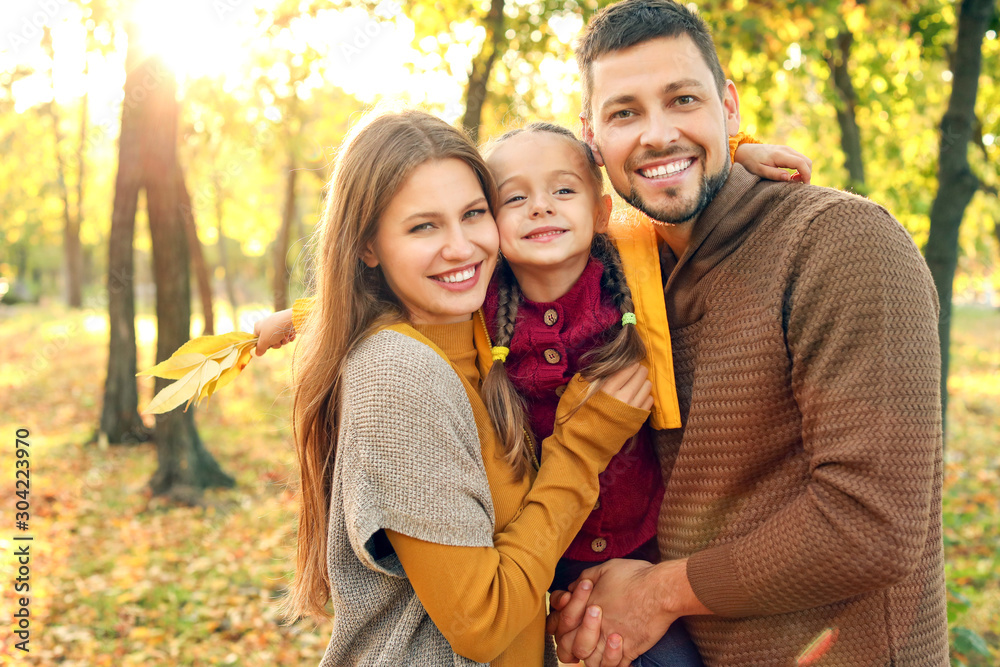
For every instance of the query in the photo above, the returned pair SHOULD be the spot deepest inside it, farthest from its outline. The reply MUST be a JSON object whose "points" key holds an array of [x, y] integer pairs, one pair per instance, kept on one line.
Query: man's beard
{"points": [[710, 186]]}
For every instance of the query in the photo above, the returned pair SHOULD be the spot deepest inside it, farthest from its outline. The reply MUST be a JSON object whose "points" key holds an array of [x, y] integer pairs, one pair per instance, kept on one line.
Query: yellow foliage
{"points": [[200, 366], [855, 19]]}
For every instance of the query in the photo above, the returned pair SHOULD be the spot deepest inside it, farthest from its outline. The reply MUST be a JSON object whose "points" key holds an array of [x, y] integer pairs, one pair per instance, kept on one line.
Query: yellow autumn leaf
{"points": [[195, 351], [228, 375], [176, 367], [225, 364], [176, 393], [209, 373], [200, 366]]}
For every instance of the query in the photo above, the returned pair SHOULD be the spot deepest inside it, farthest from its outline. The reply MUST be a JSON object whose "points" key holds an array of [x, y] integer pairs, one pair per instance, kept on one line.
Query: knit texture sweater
{"points": [[805, 483], [438, 554]]}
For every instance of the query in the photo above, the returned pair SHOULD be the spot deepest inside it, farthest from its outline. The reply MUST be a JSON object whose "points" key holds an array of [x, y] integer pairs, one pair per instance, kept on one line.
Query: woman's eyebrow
{"points": [[438, 214], [421, 214]]}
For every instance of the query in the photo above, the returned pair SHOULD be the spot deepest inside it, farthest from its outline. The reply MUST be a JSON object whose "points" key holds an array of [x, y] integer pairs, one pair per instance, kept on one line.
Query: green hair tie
{"points": [[628, 318]]}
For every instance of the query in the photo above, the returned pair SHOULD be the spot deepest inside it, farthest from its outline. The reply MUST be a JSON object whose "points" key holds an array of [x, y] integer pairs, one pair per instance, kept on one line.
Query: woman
{"points": [[432, 548]]}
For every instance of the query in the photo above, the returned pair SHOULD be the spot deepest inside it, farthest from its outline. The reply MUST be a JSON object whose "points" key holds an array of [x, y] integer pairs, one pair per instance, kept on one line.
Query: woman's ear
{"points": [[603, 214], [369, 257]]}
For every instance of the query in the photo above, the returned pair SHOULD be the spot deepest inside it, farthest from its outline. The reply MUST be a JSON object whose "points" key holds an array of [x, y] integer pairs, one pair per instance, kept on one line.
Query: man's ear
{"points": [[588, 138], [368, 256], [731, 107], [603, 215]]}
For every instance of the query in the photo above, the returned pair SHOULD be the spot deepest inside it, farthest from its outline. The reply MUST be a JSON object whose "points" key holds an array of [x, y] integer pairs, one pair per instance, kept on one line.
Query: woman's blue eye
{"points": [[422, 226]]}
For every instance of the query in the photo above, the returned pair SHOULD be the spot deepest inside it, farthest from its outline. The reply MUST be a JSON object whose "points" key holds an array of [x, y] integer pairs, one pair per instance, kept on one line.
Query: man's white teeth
{"points": [[458, 277], [667, 169]]}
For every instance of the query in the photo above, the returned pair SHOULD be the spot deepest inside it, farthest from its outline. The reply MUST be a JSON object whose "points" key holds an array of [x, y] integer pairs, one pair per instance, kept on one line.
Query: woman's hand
{"points": [[770, 162], [631, 385], [629, 599], [274, 331]]}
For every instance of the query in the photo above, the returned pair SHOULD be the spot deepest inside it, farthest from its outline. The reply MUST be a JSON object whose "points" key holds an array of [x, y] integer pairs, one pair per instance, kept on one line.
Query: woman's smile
{"points": [[460, 279]]}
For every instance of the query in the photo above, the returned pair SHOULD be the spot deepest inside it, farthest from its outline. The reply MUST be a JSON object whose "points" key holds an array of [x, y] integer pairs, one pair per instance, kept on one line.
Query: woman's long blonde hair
{"points": [[352, 300]]}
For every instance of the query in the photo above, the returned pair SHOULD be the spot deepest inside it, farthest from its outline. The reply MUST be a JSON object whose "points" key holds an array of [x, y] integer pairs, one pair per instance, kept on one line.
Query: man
{"points": [[802, 516]]}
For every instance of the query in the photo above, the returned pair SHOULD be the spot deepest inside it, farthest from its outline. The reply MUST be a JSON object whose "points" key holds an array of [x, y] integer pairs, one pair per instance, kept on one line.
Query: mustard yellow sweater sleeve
{"points": [[481, 598], [300, 311], [736, 140]]}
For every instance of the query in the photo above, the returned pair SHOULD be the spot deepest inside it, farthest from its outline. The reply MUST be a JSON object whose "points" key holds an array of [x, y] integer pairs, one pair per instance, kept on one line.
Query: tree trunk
{"points": [[223, 253], [185, 467], [280, 283], [81, 272], [996, 233], [956, 182], [120, 421], [197, 256], [72, 250], [850, 135], [482, 67]]}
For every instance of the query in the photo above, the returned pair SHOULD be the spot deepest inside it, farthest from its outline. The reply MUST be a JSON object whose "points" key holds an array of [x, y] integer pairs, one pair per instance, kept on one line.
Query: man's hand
{"points": [[770, 162], [274, 331], [636, 602]]}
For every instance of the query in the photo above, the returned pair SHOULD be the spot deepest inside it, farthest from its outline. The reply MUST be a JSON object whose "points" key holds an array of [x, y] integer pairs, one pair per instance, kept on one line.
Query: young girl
{"points": [[431, 548], [561, 303]]}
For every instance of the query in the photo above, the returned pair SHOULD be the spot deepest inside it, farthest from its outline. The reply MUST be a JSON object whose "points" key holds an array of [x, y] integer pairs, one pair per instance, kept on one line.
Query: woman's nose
{"points": [[458, 245]]}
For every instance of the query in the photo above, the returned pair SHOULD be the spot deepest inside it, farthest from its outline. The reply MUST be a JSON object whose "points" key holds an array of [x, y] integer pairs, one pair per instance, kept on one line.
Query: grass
{"points": [[971, 504], [119, 578]]}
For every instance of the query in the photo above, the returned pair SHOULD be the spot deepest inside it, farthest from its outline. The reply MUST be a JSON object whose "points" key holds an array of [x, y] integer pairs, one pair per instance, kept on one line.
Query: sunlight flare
{"points": [[195, 38]]}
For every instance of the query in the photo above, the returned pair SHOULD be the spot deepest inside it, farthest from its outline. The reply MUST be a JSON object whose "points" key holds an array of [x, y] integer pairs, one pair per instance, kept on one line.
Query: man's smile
{"points": [[666, 168]]}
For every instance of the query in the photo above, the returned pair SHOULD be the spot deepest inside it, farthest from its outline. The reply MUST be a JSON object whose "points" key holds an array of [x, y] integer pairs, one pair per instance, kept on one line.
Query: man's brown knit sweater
{"points": [[805, 484]]}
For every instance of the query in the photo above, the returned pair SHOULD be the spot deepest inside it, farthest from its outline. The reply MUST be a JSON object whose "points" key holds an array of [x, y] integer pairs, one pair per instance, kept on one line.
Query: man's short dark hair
{"points": [[631, 22]]}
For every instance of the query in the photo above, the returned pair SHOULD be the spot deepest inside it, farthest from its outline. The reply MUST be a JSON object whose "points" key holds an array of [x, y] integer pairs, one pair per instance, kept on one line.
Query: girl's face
{"points": [[437, 243], [549, 208]]}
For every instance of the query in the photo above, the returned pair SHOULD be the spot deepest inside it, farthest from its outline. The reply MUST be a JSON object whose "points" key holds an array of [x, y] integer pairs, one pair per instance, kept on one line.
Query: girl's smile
{"points": [[545, 234]]}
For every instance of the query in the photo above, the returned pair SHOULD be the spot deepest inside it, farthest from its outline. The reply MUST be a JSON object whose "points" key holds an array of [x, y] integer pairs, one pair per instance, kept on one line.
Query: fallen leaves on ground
{"points": [[120, 578]]}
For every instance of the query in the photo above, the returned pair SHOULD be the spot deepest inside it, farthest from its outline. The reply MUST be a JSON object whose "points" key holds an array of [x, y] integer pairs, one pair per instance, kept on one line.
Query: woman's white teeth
{"points": [[667, 169], [458, 277]]}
